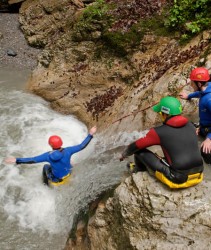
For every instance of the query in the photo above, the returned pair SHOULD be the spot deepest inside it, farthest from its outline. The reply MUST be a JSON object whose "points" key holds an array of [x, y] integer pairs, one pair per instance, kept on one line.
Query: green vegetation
{"points": [[121, 27], [96, 11], [189, 17], [94, 18], [98, 17]]}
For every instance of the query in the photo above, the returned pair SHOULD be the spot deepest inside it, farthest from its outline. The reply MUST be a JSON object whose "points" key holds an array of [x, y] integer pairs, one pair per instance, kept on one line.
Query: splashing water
{"points": [[36, 216], [26, 124]]}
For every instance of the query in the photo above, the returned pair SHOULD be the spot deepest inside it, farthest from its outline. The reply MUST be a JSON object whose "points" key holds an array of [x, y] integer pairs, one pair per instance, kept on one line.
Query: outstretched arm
{"points": [[30, 160], [150, 139], [185, 96], [85, 142]]}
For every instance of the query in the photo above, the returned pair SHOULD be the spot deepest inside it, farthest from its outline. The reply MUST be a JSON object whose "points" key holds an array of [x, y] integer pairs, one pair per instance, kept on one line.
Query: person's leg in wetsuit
{"points": [[46, 171], [147, 160]]}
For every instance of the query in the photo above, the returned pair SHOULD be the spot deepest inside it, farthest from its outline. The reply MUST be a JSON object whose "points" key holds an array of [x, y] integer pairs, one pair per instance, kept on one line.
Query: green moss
{"points": [[122, 42], [94, 18], [156, 25], [179, 19]]}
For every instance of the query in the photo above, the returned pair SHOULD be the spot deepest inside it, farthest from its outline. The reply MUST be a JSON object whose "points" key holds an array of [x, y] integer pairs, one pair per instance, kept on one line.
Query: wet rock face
{"points": [[82, 78], [103, 91], [144, 214], [43, 22]]}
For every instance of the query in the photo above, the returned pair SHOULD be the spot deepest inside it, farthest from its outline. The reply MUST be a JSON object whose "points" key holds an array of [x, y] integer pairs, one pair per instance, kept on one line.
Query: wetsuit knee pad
{"points": [[192, 180]]}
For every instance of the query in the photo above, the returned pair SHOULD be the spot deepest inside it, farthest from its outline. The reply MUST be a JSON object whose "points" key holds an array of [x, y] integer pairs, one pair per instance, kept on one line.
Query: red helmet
{"points": [[199, 75], [55, 141]]}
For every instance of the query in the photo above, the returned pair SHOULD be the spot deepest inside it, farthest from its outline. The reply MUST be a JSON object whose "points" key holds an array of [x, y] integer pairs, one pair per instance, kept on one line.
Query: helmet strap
{"points": [[164, 117]]}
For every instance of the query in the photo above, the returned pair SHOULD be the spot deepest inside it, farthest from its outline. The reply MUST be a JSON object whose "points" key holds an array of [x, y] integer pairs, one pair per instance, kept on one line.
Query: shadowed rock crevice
{"points": [[12, 6]]}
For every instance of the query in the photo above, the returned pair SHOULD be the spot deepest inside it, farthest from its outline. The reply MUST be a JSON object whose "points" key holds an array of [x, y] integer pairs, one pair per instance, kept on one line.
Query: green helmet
{"points": [[168, 105]]}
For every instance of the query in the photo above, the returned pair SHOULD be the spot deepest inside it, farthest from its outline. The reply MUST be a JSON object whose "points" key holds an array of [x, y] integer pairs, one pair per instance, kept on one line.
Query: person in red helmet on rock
{"points": [[200, 81], [59, 159]]}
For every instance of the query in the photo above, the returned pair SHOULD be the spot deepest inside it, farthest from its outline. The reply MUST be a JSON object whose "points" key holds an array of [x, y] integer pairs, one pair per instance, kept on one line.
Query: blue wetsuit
{"points": [[59, 160], [204, 109]]}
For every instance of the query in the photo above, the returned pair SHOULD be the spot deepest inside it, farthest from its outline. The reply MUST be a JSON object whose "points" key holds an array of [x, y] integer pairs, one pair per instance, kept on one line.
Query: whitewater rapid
{"points": [[32, 215]]}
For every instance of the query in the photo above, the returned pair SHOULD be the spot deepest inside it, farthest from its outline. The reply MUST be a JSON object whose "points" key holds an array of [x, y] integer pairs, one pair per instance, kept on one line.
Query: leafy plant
{"points": [[95, 11], [189, 17]]}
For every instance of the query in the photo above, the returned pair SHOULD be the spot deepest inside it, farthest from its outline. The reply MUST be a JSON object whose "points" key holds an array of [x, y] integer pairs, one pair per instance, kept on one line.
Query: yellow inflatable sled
{"points": [[192, 180], [64, 180]]}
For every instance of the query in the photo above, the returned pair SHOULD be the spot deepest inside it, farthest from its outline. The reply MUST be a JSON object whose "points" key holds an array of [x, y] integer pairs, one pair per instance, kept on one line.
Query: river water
{"points": [[33, 216]]}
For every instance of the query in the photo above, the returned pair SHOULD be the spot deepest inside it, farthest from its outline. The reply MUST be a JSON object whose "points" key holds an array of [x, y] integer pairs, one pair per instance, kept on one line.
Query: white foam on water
{"points": [[26, 124], [32, 205]]}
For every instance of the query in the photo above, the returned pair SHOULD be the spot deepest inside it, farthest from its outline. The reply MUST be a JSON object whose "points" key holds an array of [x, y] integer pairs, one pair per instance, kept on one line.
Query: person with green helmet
{"points": [[200, 81], [182, 164]]}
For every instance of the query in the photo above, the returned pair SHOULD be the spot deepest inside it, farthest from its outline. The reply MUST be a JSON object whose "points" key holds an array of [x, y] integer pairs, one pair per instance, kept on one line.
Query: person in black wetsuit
{"points": [[182, 165]]}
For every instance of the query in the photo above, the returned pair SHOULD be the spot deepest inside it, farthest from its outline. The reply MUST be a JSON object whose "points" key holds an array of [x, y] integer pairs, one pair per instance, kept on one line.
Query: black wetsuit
{"points": [[178, 140]]}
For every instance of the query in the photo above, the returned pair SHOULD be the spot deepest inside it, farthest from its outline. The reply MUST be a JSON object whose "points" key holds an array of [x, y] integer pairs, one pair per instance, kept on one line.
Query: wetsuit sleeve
{"points": [[196, 94], [81, 146], [150, 139], [30, 160], [208, 136]]}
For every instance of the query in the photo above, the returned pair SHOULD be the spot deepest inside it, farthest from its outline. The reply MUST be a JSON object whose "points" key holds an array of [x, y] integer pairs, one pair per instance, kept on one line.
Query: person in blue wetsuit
{"points": [[59, 158], [200, 81]]}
